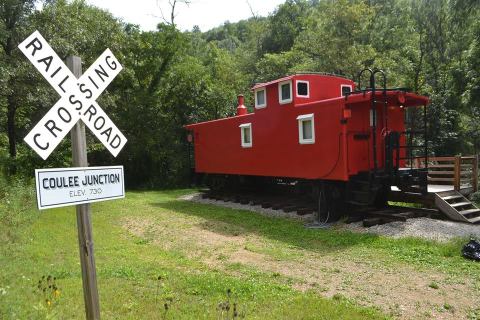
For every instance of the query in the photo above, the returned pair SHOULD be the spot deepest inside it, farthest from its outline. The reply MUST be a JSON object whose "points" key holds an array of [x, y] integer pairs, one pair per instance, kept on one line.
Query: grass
{"points": [[139, 274], [137, 277], [286, 234]]}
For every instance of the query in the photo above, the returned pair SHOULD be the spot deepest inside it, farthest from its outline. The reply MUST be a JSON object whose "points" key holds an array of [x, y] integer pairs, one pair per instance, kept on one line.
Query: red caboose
{"points": [[319, 129]]}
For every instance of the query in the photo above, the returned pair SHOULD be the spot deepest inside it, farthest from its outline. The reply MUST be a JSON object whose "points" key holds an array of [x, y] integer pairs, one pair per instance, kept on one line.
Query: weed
{"points": [[474, 314], [338, 297], [222, 257], [48, 291], [433, 285], [161, 293], [448, 307], [230, 310]]}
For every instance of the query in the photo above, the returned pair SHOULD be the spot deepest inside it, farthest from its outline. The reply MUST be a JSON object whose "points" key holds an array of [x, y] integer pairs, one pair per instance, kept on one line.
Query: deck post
{"points": [[475, 173], [456, 173]]}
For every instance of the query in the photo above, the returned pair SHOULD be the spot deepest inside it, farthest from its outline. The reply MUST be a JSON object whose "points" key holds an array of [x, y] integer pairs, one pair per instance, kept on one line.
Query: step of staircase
{"points": [[454, 205]]}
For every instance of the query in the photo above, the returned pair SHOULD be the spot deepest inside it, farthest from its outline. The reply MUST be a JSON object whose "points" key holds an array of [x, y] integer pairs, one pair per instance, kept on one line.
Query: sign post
{"points": [[84, 222], [75, 109]]}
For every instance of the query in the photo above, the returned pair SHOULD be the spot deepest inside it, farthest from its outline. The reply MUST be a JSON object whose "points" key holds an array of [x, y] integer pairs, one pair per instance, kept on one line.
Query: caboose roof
{"points": [[289, 77]]}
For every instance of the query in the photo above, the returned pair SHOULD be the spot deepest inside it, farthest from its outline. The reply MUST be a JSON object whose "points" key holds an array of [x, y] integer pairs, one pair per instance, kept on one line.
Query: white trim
{"points": [[345, 86], [280, 92], [301, 119], [260, 106], [308, 89], [242, 135]]}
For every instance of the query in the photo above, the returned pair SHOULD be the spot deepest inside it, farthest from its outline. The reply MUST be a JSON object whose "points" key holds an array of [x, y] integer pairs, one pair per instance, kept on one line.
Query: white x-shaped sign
{"points": [[77, 98]]}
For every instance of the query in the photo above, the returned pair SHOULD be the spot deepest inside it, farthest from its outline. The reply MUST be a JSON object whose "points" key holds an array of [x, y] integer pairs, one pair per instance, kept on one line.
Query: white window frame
{"points": [[242, 135], [301, 119], [260, 106], [280, 92], [308, 89], [345, 86]]}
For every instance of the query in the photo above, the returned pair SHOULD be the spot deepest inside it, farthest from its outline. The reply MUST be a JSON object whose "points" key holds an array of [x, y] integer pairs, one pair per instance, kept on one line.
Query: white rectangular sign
{"points": [[71, 186]]}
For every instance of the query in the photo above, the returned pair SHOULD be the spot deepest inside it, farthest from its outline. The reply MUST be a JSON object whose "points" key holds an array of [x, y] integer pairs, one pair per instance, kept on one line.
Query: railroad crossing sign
{"points": [[77, 98], [78, 94]]}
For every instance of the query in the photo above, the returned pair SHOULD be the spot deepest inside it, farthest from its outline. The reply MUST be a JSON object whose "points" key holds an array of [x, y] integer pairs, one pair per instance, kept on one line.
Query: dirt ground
{"points": [[398, 290]]}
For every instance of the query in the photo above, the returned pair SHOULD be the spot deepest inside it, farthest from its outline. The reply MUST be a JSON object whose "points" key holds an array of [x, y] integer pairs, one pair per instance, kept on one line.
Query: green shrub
{"points": [[17, 206], [475, 197]]}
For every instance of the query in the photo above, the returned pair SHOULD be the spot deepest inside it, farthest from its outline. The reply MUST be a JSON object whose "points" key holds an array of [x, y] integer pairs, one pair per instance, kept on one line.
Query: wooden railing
{"points": [[461, 172]]}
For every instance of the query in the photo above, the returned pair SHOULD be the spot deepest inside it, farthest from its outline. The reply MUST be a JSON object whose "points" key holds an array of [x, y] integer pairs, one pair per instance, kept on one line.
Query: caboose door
{"points": [[359, 139]]}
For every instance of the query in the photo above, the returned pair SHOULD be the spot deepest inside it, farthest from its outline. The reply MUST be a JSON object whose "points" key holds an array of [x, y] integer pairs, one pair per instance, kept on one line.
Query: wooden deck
{"points": [[444, 174]]}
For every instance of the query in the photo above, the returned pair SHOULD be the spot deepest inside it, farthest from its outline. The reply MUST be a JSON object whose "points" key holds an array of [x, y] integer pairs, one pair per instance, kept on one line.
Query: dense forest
{"points": [[172, 78]]}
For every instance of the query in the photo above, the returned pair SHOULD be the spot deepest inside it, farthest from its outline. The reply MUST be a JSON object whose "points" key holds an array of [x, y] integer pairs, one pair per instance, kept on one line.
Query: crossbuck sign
{"points": [[77, 98]]}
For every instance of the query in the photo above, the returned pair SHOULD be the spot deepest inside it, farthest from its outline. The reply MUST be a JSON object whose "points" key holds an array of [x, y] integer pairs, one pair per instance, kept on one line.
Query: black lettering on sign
{"points": [[45, 186], [63, 114], [36, 44], [117, 140], [73, 102], [96, 125], [56, 71], [37, 144], [102, 73], [52, 183], [50, 125], [47, 60], [61, 83], [93, 82], [112, 65], [107, 132], [92, 110], [88, 92]]}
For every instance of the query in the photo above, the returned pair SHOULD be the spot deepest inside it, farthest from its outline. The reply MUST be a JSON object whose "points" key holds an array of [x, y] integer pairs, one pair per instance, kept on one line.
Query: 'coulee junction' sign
{"points": [[69, 186]]}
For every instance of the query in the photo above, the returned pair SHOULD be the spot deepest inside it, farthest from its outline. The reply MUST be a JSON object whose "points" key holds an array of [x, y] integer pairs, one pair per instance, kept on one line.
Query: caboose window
{"points": [[285, 92], [302, 89], [246, 135], [346, 88], [306, 129], [260, 98]]}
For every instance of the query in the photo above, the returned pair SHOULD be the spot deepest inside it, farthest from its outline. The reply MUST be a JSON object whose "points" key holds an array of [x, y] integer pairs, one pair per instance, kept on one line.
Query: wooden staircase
{"points": [[457, 207]]}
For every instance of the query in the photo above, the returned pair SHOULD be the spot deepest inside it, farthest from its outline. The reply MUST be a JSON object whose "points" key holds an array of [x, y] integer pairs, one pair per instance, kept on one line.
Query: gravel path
{"points": [[426, 228]]}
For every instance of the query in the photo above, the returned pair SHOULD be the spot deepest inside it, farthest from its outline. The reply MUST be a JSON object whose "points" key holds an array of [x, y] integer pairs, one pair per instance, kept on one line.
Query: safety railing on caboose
{"points": [[461, 172]]}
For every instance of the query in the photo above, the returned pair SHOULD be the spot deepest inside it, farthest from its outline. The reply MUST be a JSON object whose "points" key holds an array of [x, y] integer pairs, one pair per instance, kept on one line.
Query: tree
{"points": [[285, 25], [13, 15]]}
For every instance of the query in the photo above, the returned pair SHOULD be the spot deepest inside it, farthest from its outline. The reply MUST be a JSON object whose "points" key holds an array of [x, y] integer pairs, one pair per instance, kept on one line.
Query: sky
{"points": [[207, 14]]}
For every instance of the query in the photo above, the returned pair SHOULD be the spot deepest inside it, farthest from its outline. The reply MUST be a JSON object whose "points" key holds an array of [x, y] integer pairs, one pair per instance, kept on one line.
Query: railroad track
{"points": [[302, 205]]}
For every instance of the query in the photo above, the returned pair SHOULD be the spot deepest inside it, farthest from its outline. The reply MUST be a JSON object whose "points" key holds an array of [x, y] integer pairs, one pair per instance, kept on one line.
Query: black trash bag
{"points": [[471, 250]]}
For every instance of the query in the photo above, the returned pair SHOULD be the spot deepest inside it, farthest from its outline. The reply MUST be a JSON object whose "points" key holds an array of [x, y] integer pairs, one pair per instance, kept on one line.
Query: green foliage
{"points": [[126, 270], [17, 198], [173, 78]]}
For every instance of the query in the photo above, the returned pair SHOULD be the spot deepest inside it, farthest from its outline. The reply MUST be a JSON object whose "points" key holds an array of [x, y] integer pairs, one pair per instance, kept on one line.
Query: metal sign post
{"points": [[84, 222]]}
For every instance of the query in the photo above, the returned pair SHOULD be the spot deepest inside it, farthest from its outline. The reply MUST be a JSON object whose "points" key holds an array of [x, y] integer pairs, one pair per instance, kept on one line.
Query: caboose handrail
{"points": [[458, 171], [360, 77]]}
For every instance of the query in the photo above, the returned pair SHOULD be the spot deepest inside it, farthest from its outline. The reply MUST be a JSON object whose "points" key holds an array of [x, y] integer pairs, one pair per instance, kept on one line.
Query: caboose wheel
{"points": [[331, 202], [216, 182]]}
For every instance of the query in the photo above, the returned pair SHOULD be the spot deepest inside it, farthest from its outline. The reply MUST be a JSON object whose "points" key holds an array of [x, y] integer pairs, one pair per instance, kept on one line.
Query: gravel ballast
{"points": [[197, 197], [431, 229]]}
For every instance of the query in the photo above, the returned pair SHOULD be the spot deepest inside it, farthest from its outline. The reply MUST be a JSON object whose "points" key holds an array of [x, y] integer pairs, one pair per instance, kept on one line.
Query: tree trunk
{"points": [[12, 108]]}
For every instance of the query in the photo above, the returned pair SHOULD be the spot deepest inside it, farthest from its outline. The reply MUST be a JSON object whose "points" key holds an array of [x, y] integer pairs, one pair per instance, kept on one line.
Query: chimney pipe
{"points": [[241, 109]]}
